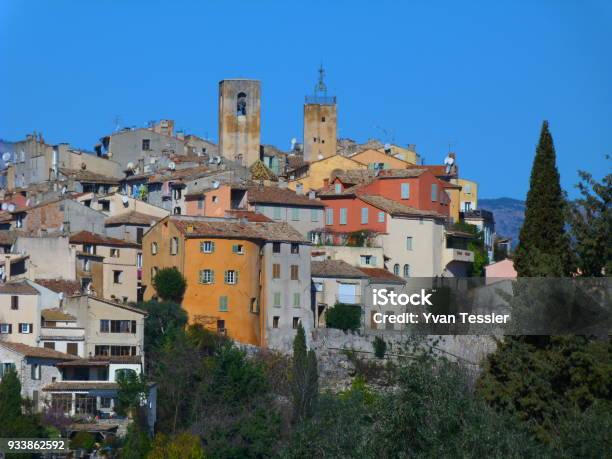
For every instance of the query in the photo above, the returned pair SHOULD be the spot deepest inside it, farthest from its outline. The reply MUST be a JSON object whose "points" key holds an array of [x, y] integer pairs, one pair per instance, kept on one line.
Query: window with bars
{"points": [[231, 276]]}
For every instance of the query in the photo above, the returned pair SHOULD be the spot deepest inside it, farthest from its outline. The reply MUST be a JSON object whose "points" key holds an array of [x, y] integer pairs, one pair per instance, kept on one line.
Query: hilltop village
{"points": [[266, 239]]}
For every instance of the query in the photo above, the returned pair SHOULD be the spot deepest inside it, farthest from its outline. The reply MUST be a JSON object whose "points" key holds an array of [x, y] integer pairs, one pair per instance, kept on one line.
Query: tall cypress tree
{"points": [[10, 402], [305, 379], [544, 249]]}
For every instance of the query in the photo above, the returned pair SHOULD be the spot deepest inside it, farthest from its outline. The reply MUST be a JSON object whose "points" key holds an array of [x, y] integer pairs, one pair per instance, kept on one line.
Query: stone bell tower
{"points": [[320, 123]]}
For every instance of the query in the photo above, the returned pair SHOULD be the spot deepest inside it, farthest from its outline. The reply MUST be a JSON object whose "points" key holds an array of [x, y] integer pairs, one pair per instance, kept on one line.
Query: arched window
{"points": [[406, 270], [396, 269], [241, 103]]}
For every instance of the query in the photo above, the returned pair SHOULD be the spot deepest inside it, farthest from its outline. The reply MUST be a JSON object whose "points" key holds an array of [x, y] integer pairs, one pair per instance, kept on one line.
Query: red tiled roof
{"points": [[67, 287], [249, 215], [335, 269], [18, 288], [382, 275], [397, 209], [39, 352], [87, 237], [56, 315], [203, 227]]}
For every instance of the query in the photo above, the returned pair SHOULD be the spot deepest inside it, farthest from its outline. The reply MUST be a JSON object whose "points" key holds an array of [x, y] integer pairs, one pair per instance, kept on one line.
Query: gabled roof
{"points": [[398, 209], [248, 215], [281, 196], [17, 288], [87, 237], [38, 352], [259, 171], [56, 315], [335, 269], [132, 218], [67, 287]]}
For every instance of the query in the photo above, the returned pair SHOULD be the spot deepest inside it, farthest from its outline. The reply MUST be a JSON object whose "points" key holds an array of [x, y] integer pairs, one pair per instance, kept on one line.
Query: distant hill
{"points": [[509, 215]]}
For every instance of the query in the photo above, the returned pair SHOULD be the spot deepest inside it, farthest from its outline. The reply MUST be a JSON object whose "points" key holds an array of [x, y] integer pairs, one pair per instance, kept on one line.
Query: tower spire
{"points": [[321, 87]]}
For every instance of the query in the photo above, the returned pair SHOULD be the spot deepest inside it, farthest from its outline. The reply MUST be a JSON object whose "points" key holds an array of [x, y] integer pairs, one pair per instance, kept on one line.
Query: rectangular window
{"points": [[139, 234], [338, 188], [405, 190], [146, 144], [276, 247], [117, 277], [434, 192], [366, 260], [221, 326], [468, 188], [174, 246], [89, 248], [25, 328], [223, 306], [276, 271], [231, 277], [314, 215], [72, 348], [364, 215], [297, 301], [276, 213], [14, 302], [238, 248], [295, 273], [381, 217], [114, 253], [207, 276], [296, 322], [35, 372], [295, 214], [106, 402], [408, 242], [207, 247], [329, 216], [275, 321], [277, 299], [295, 248], [5, 329], [343, 215], [153, 248], [49, 345], [200, 202]]}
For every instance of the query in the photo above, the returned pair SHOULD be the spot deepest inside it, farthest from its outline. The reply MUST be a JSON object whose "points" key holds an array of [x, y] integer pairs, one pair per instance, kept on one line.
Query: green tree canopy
{"points": [[170, 284]]}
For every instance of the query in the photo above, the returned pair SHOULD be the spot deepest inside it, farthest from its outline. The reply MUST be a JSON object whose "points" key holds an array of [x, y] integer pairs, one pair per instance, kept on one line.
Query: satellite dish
{"points": [[130, 166], [125, 200], [171, 166], [215, 184], [6, 156], [4, 206], [11, 207], [449, 160]]}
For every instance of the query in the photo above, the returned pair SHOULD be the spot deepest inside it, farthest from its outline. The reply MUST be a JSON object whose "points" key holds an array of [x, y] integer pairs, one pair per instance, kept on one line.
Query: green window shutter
{"points": [[223, 304], [236, 276], [373, 260]]}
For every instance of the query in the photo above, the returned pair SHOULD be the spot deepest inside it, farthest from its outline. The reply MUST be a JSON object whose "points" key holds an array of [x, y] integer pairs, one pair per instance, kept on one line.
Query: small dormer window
{"points": [[338, 188], [241, 103]]}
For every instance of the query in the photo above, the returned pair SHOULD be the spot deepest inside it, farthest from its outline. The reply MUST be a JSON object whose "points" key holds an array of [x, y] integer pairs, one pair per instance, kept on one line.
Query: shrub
{"points": [[380, 347], [343, 317], [83, 440]]}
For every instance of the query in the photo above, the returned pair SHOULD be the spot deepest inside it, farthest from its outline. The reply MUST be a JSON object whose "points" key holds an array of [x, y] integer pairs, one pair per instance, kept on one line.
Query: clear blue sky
{"points": [[481, 76]]}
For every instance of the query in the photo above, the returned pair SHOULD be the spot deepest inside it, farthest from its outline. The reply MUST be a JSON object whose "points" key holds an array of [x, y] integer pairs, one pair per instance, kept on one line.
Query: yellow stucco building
{"points": [[468, 197], [318, 172], [378, 159]]}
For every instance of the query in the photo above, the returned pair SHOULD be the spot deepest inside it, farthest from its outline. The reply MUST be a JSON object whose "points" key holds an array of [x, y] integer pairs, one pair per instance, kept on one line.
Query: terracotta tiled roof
{"points": [[101, 360], [39, 352], [282, 196], [295, 162], [17, 288], [401, 173], [353, 177], [398, 209], [335, 269], [88, 176], [249, 215], [186, 174], [382, 275], [131, 218], [67, 287], [56, 314], [7, 237], [437, 170], [202, 227], [87, 237], [259, 171]]}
